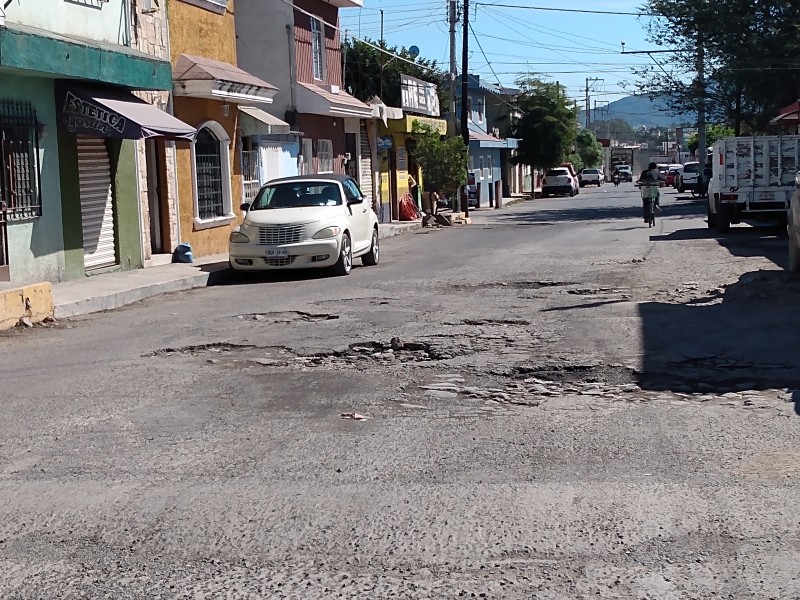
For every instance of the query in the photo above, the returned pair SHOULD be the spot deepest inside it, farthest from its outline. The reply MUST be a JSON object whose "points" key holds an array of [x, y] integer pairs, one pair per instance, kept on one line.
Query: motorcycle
{"points": [[615, 179]]}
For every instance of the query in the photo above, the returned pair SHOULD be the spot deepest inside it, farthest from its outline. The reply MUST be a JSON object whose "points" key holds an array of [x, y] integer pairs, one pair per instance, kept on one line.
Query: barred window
{"points": [[208, 162], [20, 173]]}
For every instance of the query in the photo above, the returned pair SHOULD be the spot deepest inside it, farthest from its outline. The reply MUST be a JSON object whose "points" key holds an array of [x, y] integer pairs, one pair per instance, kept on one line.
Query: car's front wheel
{"points": [[345, 263], [371, 258]]}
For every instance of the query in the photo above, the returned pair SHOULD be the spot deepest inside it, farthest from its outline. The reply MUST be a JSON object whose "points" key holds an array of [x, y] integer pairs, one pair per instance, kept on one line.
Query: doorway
{"points": [[351, 148], [155, 198]]}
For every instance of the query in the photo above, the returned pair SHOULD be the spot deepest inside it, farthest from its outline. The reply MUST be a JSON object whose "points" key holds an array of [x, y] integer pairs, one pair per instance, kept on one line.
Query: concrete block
{"points": [[33, 301]]}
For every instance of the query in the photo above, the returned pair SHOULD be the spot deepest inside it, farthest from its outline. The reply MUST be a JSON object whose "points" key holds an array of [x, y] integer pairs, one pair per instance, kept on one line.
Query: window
{"points": [[469, 107], [296, 195], [317, 48], [480, 111], [325, 156], [20, 174], [480, 168], [488, 174], [212, 176], [471, 163], [351, 190], [149, 6]]}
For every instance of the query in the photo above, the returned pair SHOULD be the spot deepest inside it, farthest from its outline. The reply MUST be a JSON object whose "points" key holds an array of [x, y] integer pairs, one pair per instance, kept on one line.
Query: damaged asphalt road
{"points": [[554, 402]]}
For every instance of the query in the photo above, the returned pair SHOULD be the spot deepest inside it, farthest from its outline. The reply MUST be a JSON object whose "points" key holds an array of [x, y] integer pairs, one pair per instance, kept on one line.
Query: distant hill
{"points": [[639, 111]]}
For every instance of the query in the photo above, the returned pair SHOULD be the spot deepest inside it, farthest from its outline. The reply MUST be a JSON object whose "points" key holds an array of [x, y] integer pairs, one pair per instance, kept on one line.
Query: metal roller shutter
{"points": [[365, 163], [97, 215]]}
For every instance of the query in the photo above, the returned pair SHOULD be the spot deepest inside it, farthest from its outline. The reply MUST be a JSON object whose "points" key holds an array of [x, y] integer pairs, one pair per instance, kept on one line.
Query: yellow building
{"points": [[395, 162], [208, 90]]}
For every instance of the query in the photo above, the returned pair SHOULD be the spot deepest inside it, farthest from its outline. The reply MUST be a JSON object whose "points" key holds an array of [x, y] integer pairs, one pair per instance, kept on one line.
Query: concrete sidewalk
{"points": [[113, 290]]}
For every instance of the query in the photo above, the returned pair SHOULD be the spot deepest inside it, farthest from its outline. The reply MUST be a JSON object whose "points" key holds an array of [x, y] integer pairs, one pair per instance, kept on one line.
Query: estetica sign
{"points": [[419, 96], [81, 115]]}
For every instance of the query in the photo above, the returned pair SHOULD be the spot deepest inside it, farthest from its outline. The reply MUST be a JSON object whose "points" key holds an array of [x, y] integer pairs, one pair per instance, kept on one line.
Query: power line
{"points": [[571, 10]]}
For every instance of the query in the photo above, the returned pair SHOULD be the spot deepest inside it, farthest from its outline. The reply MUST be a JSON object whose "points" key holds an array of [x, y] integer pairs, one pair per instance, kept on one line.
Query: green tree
{"points": [[368, 72], [589, 149], [547, 126], [747, 49], [713, 133], [443, 159]]}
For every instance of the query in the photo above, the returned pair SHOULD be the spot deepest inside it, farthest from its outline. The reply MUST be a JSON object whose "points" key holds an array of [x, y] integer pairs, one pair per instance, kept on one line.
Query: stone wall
{"points": [[151, 35]]}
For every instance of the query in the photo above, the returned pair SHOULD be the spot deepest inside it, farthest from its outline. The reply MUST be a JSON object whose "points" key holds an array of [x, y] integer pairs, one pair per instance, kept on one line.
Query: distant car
{"points": [[558, 182], [793, 229], [671, 175], [678, 171], [689, 177], [591, 177], [310, 221], [625, 173]]}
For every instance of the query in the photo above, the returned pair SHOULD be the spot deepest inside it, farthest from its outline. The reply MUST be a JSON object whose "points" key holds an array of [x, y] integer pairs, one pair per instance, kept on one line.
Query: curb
{"points": [[214, 274], [118, 299]]}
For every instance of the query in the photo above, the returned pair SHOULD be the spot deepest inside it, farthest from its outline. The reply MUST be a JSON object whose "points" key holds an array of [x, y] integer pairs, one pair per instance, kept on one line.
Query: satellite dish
{"points": [[413, 51]]}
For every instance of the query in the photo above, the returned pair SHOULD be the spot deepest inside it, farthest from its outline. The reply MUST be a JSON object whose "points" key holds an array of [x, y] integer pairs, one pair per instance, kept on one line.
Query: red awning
{"points": [[790, 115]]}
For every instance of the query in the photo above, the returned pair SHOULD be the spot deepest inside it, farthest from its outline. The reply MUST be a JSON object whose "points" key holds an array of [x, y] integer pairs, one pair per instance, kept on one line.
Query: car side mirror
{"points": [[351, 201], [245, 206], [797, 180]]}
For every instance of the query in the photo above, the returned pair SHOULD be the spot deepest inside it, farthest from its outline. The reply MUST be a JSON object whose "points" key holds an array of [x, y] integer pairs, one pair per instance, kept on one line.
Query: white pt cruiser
{"points": [[310, 221]]}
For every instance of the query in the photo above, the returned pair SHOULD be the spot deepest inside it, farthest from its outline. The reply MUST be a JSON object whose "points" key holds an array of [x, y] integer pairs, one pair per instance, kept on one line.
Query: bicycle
{"points": [[649, 190]]}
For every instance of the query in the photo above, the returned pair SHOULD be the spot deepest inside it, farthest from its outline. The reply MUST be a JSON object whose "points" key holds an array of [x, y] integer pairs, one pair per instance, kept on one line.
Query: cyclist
{"points": [[651, 174]]}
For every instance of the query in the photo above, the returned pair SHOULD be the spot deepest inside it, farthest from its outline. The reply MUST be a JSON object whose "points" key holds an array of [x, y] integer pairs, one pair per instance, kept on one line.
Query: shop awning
{"points": [[489, 141], [201, 77], [255, 121], [329, 101], [112, 113]]}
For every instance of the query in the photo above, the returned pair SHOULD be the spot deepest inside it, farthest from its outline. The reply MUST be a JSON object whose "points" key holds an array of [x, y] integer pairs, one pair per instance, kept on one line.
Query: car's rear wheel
{"points": [[345, 263], [371, 258]]}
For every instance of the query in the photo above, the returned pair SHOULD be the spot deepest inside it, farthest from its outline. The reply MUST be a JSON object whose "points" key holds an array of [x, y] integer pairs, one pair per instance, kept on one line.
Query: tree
{"points": [[746, 48], [547, 126], [589, 149], [443, 159], [368, 72], [713, 133], [617, 129]]}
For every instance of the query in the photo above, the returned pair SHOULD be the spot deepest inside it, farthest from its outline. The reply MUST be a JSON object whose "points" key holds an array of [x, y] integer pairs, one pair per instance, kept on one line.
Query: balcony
{"points": [[346, 3]]}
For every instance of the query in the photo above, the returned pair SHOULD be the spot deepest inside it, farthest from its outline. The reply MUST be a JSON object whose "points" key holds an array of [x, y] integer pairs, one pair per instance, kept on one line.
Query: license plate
{"points": [[277, 252]]}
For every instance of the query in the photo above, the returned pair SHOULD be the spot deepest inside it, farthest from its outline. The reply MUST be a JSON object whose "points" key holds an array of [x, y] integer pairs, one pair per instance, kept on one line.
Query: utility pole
{"points": [[701, 101], [453, 18], [588, 103], [464, 97], [382, 42]]}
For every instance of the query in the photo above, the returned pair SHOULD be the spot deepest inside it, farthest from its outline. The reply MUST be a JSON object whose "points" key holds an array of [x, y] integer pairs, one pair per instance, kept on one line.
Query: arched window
{"points": [[212, 176]]}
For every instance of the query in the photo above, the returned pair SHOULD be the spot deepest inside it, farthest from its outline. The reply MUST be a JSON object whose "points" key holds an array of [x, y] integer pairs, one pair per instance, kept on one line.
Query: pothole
{"points": [[514, 285], [289, 316], [358, 355], [596, 373], [495, 322]]}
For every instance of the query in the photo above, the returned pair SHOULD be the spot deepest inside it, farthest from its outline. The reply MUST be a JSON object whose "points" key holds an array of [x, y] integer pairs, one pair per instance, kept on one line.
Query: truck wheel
{"points": [[711, 217], [794, 255], [723, 221]]}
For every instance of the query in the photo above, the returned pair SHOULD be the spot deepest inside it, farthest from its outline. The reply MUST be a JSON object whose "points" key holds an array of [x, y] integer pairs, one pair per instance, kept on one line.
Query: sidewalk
{"points": [[36, 302]]}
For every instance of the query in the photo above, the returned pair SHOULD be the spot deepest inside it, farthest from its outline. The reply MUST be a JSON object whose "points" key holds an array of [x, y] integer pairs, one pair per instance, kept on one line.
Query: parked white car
{"points": [[310, 221], [591, 177], [558, 181]]}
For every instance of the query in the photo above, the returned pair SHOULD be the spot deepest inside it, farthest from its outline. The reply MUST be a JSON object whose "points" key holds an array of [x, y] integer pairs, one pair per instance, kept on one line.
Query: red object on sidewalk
{"points": [[408, 209]]}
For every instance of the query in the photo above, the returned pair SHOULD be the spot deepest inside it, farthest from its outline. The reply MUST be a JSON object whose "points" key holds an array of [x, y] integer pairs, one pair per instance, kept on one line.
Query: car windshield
{"points": [[691, 168], [590, 171], [296, 194], [557, 173]]}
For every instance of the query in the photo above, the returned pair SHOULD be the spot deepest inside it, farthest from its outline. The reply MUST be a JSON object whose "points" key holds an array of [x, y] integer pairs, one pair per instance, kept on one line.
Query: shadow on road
{"points": [[743, 336]]}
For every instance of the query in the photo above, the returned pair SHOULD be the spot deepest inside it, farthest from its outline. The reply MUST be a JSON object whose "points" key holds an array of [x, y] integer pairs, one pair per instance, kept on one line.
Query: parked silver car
{"points": [[793, 229]]}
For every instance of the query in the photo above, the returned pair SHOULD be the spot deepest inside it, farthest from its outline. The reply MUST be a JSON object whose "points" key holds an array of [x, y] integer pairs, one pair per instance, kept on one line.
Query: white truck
{"points": [[752, 178]]}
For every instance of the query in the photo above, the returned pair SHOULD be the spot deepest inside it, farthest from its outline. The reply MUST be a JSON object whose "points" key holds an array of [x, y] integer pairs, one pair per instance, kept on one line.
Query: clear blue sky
{"points": [[566, 47]]}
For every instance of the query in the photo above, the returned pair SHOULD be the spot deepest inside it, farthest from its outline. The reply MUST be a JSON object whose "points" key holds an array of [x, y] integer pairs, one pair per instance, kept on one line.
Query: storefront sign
{"points": [[419, 96], [81, 115], [384, 143]]}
